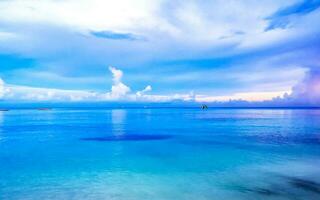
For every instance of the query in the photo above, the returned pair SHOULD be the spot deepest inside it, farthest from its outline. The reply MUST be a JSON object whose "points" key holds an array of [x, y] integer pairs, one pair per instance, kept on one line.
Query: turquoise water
{"points": [[160, 154]]}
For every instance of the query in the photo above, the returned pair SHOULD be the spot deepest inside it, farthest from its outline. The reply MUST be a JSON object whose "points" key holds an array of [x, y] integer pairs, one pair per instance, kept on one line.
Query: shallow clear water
{"points": [[160, 154]]}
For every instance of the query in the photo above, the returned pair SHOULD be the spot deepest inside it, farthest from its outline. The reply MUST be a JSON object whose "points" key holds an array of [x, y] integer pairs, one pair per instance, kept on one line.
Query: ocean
{"points": [[160, 154]]}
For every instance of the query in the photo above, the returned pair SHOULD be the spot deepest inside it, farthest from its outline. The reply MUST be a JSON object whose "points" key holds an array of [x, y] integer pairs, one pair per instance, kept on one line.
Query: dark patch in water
{"points": [[281, 139], [218, 144], [266, 192], [127, 138], [305, 184], [287, 187], [311, 140], [254, 142], [259, 191]]}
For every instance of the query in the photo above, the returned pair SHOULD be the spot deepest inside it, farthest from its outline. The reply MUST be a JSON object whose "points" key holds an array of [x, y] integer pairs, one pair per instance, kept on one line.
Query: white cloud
{"points": [[118, 88], [117, 74], [173, 27], [245, 96], [192, 24], [23, 93], [103, 13], [6, 36], [142, 92], [147, 89]]}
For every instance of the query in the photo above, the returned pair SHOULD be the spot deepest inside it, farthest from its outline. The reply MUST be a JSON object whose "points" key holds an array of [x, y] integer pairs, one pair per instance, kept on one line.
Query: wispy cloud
{"points": [[282, 17], [116, 36], [142, 92], [302, 7]]}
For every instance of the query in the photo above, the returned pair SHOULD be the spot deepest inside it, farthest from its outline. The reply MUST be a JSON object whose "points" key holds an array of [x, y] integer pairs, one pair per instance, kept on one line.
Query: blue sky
{"points": [[160, 50]]}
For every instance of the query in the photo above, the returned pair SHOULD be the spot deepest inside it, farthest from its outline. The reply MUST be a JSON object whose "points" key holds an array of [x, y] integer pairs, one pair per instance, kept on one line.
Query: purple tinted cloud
{"points": [[308, 91]]}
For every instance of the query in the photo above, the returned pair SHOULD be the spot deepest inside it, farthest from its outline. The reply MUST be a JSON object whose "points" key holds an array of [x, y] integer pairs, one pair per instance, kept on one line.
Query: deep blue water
{"points": [[160, 154]]}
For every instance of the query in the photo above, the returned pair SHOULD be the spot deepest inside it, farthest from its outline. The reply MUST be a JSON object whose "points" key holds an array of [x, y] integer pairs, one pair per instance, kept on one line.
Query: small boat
{"points": [[204, 107], [44, 108]]}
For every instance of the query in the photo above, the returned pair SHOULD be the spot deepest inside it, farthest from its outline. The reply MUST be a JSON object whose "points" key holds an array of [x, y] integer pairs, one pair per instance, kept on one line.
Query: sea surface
{"points": [[160, 154]]}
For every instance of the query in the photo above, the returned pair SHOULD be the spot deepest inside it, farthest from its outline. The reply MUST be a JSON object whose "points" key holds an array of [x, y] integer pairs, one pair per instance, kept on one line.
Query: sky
{"points": [[161, 51]]}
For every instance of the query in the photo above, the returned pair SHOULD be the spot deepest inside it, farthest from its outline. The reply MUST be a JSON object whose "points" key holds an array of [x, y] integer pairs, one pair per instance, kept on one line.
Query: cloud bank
{"points": [[119, 92], [305, 93]]}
